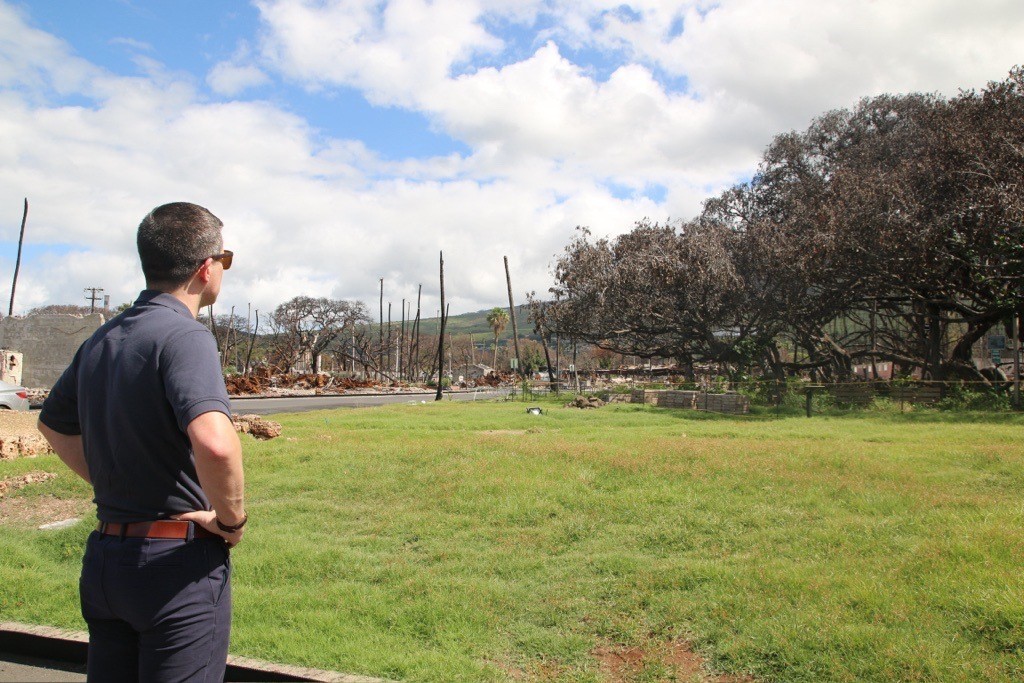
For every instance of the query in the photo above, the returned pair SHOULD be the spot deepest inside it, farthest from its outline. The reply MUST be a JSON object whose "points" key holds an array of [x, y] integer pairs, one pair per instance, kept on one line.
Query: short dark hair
{"points": [[174, 240]]}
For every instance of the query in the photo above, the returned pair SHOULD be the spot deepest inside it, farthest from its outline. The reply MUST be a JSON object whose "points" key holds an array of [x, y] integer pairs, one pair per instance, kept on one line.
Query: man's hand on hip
{"points": [[208, 520]]}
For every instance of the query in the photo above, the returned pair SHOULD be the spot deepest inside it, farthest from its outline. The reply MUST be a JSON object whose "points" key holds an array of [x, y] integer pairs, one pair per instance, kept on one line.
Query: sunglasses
{"points": [[224, 258]]}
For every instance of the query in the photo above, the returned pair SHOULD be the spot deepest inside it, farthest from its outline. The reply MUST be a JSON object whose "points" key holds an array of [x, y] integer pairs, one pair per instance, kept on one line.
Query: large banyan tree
{"points": [[890, 232]]}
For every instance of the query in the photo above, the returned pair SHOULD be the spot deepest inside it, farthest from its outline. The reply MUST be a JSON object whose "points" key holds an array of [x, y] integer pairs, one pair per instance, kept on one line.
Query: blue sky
{"points": [[342, 141]]}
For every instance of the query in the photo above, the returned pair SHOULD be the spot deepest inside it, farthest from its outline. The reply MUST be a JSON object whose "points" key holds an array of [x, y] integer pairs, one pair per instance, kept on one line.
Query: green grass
{"points": [[471, 541]]}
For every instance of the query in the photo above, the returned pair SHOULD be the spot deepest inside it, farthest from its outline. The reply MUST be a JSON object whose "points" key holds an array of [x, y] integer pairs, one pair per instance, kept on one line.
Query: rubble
{"points": [[264, 380], [19, 437], [585, 402], [256, 426], [37, 396], [9, 484]]}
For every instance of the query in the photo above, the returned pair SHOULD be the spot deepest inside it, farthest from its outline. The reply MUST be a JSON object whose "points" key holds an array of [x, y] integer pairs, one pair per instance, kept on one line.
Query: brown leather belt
{"points": [[162, 528]]}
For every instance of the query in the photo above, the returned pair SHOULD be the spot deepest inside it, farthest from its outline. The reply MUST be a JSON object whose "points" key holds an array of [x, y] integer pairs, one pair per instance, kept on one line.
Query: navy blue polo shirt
{"points": [[131, 391]]}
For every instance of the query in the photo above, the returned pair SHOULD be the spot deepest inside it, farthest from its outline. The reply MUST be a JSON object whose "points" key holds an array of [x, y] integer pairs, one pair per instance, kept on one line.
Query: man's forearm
{"points": [[223, 481], [69, 449], [218, 456]]}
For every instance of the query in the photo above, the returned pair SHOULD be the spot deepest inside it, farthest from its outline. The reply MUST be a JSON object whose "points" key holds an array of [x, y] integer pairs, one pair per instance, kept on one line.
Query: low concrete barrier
{"points": [[733, 404]]}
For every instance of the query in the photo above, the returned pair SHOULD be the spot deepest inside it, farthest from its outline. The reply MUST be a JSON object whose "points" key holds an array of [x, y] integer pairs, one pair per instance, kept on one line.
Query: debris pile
{"points": [[257, 426], [495, 379], [37, 396], [585, 402], [19, 437], [9, 484], [262, 380]]}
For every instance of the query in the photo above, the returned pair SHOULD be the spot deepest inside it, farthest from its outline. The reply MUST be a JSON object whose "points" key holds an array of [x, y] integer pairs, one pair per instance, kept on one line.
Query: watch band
{"points": [[234, 527]]}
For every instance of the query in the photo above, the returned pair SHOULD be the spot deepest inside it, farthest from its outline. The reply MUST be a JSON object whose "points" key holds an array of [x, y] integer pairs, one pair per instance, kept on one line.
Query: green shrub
{"points": [[959, 397]]}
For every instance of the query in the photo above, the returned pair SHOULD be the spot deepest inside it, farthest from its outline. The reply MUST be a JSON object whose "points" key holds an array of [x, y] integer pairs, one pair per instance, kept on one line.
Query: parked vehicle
{"points": [[13, 397]]}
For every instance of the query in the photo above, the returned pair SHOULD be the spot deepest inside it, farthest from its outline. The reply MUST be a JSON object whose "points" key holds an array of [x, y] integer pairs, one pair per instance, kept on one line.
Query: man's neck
{"points": [[191, 299]]}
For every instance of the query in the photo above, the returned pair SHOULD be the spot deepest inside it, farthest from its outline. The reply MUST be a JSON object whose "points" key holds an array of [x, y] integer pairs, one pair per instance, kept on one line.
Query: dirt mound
{"points": [[257, 426]]}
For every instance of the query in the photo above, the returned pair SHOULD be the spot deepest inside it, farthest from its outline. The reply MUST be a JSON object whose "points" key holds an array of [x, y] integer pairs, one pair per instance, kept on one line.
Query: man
{"points": [[142, 414]]}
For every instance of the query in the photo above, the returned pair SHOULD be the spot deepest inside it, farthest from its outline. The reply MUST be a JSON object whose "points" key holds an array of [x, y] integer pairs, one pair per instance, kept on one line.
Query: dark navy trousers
{"points": [[157, 610]]}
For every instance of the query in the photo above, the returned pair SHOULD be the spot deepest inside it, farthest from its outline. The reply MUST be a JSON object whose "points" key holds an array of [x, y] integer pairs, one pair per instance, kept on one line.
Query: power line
{"points": [[93, 297]]}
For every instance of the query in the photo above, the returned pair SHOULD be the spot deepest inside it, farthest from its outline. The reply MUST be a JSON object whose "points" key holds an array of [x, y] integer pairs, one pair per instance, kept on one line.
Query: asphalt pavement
{"points": [[14, 668], [296, 404]]}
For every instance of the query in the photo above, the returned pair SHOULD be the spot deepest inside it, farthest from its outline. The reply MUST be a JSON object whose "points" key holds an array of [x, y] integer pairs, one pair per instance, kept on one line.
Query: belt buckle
{"points": [[190, 534]]}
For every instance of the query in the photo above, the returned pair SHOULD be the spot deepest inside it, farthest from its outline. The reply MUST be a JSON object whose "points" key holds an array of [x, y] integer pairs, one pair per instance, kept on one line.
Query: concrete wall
{"points": [[48, 343]]}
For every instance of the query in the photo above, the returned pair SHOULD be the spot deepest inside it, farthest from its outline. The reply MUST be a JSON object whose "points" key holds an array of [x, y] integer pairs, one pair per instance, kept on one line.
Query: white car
{"points": [[13, 397]]}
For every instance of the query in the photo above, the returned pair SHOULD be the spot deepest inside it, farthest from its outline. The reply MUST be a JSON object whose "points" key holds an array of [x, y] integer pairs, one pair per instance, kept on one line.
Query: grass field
{"points": [[445, 542]]}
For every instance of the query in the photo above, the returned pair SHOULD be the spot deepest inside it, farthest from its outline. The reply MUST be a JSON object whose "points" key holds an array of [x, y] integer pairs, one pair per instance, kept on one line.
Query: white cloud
{"points": [[230, 79], [389, 51], [549, 140], [33, 59], [304, 218], [133, 44], [750, 68]]}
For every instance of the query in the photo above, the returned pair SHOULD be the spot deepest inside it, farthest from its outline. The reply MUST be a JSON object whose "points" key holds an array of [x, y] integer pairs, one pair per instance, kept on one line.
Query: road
{"points": [[297, 404]]}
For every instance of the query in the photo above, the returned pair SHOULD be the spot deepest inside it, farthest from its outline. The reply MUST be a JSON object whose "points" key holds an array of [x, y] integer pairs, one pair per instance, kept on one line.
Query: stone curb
{"points": [[65, 645]]}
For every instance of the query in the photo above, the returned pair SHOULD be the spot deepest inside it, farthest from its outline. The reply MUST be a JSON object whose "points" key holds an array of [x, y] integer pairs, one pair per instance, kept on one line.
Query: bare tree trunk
{"points": [[388, 366], [401, 346], [547, 358], [416, 332], [512, 313], [17, 262], [440, 336], [380, 335], [248, 322], [227, 340], [213, 326], [575, 370], [252, 341], [558, 361]]}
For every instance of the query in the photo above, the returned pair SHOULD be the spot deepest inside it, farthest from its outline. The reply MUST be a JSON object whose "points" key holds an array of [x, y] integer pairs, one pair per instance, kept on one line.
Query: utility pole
{"points": [[93, 297], [17, 262], [440, 334]]}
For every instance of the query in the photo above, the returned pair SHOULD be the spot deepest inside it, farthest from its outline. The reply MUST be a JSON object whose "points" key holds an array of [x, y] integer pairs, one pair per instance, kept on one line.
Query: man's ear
{"points": [[204, 271]]}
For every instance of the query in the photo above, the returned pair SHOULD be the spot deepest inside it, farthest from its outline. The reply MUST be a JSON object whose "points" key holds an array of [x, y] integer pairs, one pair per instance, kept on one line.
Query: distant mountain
{"points": [[476, 324]]}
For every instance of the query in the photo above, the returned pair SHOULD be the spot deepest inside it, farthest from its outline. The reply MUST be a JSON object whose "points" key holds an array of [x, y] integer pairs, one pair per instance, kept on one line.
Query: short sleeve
{"points": [[60, 409], [190, 367]]}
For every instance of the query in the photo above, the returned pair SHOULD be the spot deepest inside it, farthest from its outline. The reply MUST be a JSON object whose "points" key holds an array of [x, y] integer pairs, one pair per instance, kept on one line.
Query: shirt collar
{"points": [[155, 296]]}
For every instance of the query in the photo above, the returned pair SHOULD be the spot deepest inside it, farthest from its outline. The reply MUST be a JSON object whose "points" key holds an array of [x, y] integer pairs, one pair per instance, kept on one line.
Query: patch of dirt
{"points": [[621, 663], [34, 511], [19, 437], [504, 432]]}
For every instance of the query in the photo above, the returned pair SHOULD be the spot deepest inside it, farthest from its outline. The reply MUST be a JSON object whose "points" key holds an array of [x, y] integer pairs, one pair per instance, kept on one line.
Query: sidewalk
{"points": [[41, 653]]}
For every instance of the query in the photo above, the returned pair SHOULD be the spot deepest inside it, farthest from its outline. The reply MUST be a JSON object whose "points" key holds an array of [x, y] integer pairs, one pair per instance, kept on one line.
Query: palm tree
{"points": [[497, 319]]}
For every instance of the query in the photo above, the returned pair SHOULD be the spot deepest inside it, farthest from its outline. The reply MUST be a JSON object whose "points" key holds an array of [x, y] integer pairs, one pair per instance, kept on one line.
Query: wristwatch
{"points": [[234, 527]]}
